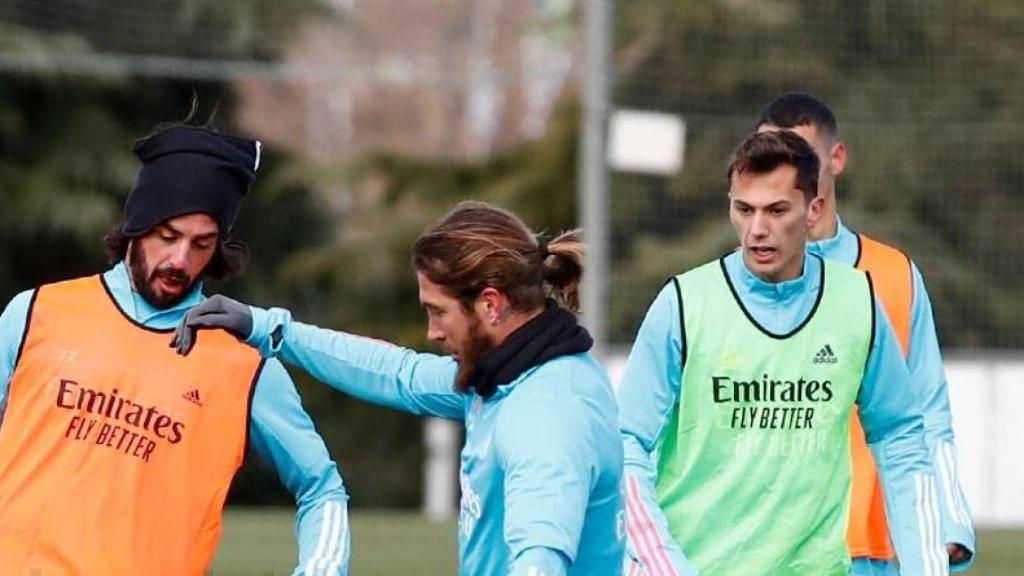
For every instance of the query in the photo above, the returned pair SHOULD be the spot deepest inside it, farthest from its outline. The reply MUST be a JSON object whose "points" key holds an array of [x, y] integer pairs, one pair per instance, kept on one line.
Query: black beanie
{"points": [[187, 169]]}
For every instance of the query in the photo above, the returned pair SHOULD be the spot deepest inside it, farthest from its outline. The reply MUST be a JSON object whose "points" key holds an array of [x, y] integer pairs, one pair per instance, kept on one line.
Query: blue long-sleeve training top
{"points": [[281, 431], [541, 465]]}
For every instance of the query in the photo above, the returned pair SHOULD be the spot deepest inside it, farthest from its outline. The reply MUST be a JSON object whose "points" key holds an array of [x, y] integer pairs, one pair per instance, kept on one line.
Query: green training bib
{"points": [[754, 469]]}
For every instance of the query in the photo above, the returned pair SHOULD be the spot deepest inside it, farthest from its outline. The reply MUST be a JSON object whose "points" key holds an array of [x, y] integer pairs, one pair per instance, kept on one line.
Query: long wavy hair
{"points": [[477, 245]]}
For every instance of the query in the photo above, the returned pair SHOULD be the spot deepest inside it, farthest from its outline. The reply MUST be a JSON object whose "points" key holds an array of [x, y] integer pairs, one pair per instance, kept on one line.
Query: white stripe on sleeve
{"points": [[959, 507], [644, 533], [922, 523], [332, 512], [341, 540], [333, 543]]}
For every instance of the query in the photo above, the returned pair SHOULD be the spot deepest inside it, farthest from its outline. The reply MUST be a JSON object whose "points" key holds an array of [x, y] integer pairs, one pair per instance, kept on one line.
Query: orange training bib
{"points": [[868, 533], [116, 453]]}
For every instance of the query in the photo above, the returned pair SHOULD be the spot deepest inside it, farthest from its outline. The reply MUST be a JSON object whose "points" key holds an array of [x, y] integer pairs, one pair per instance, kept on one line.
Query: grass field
{"points": [[260, 542]]}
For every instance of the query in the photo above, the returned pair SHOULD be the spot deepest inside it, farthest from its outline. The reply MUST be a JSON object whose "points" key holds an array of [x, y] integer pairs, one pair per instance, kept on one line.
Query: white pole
{"points": [[592, 193], [440, 471]]}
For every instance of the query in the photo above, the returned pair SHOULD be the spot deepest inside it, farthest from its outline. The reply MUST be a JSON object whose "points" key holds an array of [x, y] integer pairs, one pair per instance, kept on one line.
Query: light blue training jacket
{"points": [[650, 390], [541, 465], [280, 430]]}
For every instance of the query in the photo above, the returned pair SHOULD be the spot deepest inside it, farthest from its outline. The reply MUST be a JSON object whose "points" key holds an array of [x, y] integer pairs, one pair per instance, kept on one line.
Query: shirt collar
{"points": [[136, 307], [842, 247], [749, 283]]}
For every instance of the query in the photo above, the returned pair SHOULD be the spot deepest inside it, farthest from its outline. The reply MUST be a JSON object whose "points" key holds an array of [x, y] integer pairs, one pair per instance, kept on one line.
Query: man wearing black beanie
{"points": [[116, 454], [191, 176]]}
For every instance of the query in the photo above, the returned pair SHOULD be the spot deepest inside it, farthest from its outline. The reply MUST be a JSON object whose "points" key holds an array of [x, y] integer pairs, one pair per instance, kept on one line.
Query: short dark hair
{"points": [[229, 259], [799, 109], [763, 152]]}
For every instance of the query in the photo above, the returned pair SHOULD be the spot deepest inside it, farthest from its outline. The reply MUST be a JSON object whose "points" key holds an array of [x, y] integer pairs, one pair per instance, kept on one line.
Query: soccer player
{"points": [[116, 454], [736, 398], [542, 463], [901, 290]]}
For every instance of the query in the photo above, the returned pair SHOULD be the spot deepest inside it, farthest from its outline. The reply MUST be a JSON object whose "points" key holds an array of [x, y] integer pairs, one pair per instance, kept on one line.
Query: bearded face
{"points": [[166, 262]]}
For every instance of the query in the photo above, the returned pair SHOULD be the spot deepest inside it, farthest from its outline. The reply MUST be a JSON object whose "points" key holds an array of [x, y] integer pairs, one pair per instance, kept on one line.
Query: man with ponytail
{"points": [[542, 462]]}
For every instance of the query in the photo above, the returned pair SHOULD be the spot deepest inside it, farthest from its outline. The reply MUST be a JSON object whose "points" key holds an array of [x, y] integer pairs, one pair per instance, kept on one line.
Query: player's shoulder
{"points": [[885, 259], [572, 387], [15, 314], [21, 299], [563, 376], [540, 408], [871, 246], [833, 268], [711, 267]]}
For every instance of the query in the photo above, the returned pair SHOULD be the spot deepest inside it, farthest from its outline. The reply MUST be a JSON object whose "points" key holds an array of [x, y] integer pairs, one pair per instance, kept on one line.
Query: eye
{"points": [[203, 244], [743, 209]]}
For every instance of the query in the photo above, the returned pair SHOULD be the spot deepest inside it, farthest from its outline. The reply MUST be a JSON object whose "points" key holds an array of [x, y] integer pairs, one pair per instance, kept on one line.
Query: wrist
{"points": [[268, 327]]}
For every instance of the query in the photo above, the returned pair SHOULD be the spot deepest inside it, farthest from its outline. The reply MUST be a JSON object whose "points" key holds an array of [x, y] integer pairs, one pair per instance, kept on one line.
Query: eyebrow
{"points": [[776, 204], [174, 230]]}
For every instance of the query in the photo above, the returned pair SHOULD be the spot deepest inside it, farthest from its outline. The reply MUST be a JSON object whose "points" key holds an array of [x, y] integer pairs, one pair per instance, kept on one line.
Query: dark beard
{"points": [[476, 346], [143, 283], [552, 333]]}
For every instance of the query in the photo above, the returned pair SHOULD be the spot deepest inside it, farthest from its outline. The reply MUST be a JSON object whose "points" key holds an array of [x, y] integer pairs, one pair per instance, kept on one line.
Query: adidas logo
{"points": [[193, 397], [825, 356]]}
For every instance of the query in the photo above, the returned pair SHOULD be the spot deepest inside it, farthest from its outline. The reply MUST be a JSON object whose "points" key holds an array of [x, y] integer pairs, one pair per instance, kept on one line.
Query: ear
{"points": [[491, 305], [837, 158], [815, 208]]}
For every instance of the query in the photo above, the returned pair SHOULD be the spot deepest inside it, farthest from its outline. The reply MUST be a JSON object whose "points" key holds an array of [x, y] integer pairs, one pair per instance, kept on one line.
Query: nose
{"points": [[434, 333], [759, 225], [179, 256]]}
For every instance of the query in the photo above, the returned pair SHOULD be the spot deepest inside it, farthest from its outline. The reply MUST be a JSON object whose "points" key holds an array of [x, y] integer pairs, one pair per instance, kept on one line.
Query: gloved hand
{"points": [[215, 312]]}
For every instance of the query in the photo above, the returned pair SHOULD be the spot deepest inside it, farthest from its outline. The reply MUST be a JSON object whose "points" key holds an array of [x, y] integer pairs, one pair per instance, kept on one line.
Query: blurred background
{"points": [[378, 116]]}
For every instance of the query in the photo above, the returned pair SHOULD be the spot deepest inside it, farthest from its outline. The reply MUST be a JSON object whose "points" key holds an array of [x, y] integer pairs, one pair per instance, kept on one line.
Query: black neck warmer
{"points": [[555, 332]]}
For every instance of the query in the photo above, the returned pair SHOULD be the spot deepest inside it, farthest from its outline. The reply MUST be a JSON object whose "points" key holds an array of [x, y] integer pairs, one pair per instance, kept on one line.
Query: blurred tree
{"points": [[929, 95], [929, 100], [362, 279], [65, 160], [200, 29]]}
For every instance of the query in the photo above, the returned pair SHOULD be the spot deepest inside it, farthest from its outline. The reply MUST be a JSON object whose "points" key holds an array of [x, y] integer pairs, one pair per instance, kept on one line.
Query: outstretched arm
{"points": [[373, 370]]}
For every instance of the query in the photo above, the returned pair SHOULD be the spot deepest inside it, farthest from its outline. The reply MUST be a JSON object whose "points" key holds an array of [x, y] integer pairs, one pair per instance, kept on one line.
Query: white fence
{"points": [[987, 398]]}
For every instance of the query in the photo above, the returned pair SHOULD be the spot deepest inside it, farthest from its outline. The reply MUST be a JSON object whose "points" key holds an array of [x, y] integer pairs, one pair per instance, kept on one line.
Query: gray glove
{"points": [[215, 312]]}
